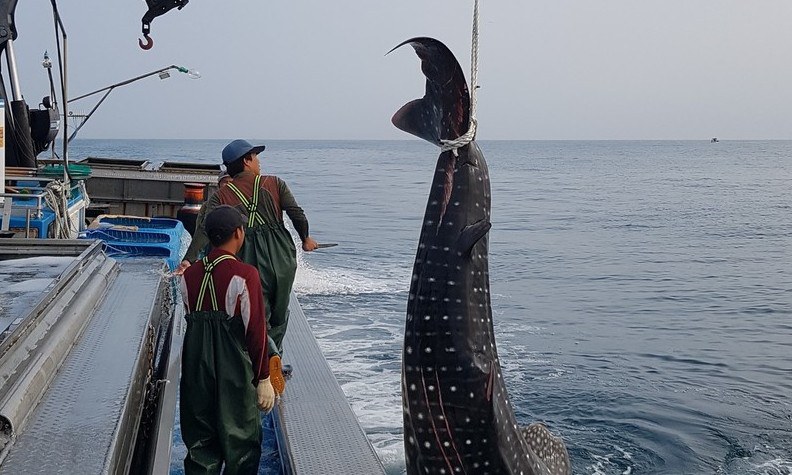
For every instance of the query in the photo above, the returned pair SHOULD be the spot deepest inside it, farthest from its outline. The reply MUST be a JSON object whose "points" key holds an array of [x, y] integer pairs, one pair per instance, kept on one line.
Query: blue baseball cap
{"points": [[238, 149]]}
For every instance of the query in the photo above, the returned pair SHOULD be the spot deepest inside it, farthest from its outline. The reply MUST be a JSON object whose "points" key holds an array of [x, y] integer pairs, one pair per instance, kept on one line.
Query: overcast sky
{"points": [[316, 69]]}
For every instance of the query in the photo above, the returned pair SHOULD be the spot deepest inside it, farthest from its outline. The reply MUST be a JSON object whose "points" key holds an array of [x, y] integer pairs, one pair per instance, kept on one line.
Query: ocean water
{"points": [[642, 291]]}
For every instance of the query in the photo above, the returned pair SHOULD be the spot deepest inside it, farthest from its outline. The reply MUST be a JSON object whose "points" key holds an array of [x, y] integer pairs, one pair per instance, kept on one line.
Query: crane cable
{"points": [[467, 137]]}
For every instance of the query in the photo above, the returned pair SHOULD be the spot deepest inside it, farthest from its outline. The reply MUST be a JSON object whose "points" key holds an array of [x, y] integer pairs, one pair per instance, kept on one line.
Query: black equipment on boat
{"points": [[28, 132], [157, 8]]}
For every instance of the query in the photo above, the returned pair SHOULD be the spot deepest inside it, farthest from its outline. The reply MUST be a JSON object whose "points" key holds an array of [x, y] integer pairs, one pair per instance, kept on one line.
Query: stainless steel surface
{"points": [[14, 248], [323, 433], [163, 439], [25, 283], [36, 345], [29, 365], [85, 421], [33, 271]]}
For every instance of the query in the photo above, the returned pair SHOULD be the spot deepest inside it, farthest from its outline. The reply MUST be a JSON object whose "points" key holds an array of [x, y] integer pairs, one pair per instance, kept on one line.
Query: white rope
{"points": [[55, 197], [467, 137]]}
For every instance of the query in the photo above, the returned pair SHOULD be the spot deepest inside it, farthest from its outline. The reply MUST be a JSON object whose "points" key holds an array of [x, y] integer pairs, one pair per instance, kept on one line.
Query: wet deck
{"points": [[322, 431], [25, 281], [93, 338], [86, 420]]}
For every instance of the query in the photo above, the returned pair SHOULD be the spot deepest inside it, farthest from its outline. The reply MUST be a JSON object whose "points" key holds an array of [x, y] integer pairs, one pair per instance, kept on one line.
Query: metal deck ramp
{"points": [[322, 432], [94, 332], [86, 420]]}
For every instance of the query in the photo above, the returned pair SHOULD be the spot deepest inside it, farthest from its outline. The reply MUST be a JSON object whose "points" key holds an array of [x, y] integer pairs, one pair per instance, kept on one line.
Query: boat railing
{"points": [[16, 204], [31, 203]]}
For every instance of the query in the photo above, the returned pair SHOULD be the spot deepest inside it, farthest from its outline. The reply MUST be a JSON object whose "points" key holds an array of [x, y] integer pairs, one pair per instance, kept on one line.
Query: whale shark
{"points": [[458, 418]]}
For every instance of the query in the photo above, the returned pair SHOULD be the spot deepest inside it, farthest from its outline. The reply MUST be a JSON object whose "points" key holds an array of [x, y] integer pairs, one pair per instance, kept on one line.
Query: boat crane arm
{"points": [[7, 27], [30, 131], [157, 8]]}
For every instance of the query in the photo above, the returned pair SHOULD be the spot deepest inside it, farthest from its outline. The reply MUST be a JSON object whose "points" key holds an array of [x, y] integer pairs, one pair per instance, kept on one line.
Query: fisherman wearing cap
{"points": [[225, 370], [268, 245]]}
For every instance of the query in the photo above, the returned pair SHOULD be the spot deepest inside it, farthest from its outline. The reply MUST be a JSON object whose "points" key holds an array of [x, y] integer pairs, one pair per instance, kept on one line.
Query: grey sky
{"points": [[315, 69]]}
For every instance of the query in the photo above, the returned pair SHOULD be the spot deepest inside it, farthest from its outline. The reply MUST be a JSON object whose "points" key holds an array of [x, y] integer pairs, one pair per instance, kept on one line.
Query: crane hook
{"points": [[148, 44]]}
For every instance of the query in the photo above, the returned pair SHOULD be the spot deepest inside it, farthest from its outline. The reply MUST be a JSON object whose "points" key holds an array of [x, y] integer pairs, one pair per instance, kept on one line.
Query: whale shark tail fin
{"points": [[443, 113], [549, 448]]}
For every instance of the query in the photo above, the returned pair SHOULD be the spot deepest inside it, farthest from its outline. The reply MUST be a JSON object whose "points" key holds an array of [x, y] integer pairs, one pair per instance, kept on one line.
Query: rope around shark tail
{"points": [[467, 137]]}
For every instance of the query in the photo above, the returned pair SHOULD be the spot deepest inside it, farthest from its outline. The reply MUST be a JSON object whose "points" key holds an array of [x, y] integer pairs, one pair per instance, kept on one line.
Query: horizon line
{"points": [[420, 140]]}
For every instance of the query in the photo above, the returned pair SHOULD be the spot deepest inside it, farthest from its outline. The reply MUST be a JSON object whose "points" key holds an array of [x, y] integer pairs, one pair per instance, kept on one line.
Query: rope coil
{"points": [[467, 137], [55, 197]]}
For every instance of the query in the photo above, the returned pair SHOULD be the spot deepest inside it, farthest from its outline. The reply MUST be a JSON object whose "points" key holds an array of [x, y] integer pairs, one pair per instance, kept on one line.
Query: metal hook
{"points": [[148, 44]]}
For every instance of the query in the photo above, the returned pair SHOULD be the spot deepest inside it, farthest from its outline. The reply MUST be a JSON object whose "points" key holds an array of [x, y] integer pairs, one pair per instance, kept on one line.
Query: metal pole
{"points": [[88, 116], [124, 83], [12, 71], [65, 94], [62, 65], [2, 149], [108, 89]]}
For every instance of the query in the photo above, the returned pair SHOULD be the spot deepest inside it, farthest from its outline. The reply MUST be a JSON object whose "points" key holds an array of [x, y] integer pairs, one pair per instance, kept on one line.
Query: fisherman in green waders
{"points": [[268, 244], [225, 372]]}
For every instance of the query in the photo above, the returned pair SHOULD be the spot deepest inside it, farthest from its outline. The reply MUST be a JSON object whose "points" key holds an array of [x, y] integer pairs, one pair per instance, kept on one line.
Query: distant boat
{"points": [[714, 140]]}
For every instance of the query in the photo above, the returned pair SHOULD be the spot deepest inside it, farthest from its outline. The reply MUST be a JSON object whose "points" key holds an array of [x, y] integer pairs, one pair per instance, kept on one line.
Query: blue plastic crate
{"points": [[132, 236]]}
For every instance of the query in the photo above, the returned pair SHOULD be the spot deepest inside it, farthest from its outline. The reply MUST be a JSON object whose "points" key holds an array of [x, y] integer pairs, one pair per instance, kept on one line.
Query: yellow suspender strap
{"points": [[207, 281], [254, 206], [251, 207]]}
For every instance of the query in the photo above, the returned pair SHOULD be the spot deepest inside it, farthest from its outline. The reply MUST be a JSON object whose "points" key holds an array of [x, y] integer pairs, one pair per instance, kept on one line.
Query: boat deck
{"points": [[72, 401], [322, 431], [25, 280], [85, 422]]}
